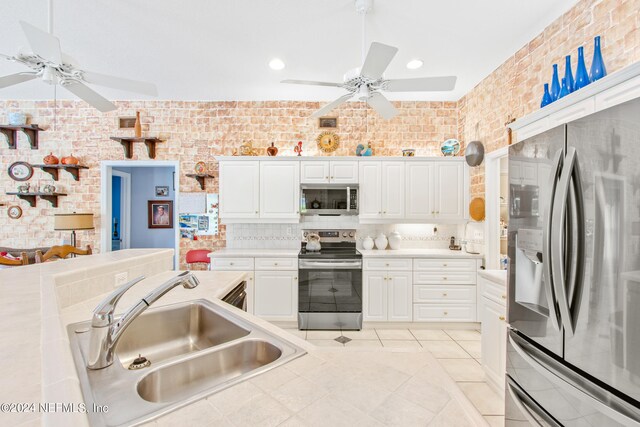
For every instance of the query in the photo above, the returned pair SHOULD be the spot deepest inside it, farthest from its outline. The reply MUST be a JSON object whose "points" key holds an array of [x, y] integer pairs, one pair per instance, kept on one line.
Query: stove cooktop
{"points": [[331, 253]]}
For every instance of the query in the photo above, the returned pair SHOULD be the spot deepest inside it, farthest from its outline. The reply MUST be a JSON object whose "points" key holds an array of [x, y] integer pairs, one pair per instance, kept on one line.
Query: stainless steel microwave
{"points": [[329, 199]]}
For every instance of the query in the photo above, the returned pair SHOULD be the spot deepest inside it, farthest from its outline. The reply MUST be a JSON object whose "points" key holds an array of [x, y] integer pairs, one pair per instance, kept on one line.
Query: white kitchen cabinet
{"points": [[370, 206], [276, 295], [325, 172], [494, 341], [280, 190], [382, 190], [239, 190], [392, 190], [400, 294], [387, 296], [419, 199], [450, 190], [375, 296]]}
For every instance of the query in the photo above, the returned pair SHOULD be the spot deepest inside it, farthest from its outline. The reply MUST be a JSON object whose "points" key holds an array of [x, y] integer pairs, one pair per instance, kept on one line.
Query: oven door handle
{"points": [[306, 265], [348, 199]]}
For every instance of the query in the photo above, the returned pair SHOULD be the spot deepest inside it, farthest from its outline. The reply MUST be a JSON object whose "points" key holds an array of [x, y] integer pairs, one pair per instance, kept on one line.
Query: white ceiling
{"points": [[219, 49]]}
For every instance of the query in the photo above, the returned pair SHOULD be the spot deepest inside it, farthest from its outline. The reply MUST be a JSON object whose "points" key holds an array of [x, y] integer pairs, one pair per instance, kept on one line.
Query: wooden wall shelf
{"points": [[52, 170], [11, 132], [32, 197], [127, 144], [200, 177]]}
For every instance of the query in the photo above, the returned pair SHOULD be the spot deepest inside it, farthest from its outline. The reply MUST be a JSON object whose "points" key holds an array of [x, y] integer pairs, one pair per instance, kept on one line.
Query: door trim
{"points": [[125, 207]]}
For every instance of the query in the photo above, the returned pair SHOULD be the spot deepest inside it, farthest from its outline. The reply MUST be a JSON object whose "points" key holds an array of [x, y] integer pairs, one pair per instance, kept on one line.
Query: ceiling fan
{"points": [[368, 83], [48, 63]]}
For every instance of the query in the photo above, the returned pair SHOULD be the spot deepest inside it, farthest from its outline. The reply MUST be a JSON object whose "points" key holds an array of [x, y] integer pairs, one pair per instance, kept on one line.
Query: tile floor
{"points": [[458, 351]]}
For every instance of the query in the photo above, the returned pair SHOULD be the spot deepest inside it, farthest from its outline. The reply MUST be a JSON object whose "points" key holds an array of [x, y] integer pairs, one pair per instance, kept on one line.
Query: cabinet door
{"points": [[400, 290], [250, 291], [343, 172], [375, 295], [494, 336], [450, 190], [276, 295], [280, 190], [370, 190], [392, 190], [419, 190], [314, 172], [239, 190]]}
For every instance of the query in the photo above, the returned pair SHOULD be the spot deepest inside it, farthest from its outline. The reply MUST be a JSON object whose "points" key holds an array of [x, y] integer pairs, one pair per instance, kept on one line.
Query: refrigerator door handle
{"points": [[528, 407], [578, 251], [574, 384], [546, 249]]}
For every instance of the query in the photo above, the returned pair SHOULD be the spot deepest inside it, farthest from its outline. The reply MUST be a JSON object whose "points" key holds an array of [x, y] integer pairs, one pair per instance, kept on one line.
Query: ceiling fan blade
{"points": [[327, 108], [43, 44], [90, 96], [309, 82], [378, 59], [14, 79], [120, 83], [382, 105], [426, 84]]}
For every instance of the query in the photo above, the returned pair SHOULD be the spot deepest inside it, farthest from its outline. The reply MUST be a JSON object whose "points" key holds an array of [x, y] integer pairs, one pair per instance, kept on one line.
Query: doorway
{"points": [[497, 203], [127, 190]]}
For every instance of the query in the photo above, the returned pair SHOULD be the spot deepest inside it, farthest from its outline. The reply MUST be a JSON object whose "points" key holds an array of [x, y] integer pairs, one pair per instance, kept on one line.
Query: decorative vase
{"points": [[273, 150], [381, 241], [50, 159], [546, 98], [395, 240], [564, 90], [598, 70], [70, 160], [555, 84], [367, 243], [568, 74], [138, 126], [582, 78]]}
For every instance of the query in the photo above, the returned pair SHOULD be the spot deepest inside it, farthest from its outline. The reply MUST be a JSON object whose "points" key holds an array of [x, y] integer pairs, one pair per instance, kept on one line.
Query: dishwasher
{"points": [[237, 297]]}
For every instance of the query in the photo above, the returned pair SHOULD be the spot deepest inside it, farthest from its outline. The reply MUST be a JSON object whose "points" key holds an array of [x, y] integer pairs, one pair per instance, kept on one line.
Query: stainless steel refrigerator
{"points": [[573, 350]]}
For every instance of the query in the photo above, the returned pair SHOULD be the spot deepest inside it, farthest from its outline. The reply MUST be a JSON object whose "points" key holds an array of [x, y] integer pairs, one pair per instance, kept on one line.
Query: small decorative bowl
{"points": [[409, 152], [17, 119]]}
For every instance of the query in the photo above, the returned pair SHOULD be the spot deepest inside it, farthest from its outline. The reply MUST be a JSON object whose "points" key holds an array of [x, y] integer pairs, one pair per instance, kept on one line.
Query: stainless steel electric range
{"points": [[330, 285]]}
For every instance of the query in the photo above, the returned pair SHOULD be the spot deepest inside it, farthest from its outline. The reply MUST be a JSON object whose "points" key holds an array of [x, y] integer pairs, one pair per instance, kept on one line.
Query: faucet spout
{"points": [[106, 331]]}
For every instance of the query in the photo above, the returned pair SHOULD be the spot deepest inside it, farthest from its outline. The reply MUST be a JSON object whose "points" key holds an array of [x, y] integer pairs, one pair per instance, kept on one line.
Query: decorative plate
{"points": [[20, 171], [451, 147], [201, 168], [14, 212], [477, 209], [328, 142]]}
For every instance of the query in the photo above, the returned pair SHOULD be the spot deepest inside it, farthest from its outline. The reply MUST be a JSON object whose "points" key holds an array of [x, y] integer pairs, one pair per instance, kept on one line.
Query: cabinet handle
{"points": [[444, 278], [501, 318], [275, 263], [444, 265], [444, 294], [331, 177], [230, 263], [384, 212], [387, 264], [433, 212], [446, 313], [295, 278], [326, 177], [379, 212], [504, 297], [256, 211]]}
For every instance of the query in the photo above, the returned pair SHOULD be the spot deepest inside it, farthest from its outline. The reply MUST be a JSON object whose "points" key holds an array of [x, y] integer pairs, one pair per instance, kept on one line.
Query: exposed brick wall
{"points": [[515, 88], [194, 131]]}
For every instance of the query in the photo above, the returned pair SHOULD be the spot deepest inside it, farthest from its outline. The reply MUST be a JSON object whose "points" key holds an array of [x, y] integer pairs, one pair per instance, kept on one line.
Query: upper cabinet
{"points": [[382, 190], [239, 185], [280, 190], [450, 190], [325, 172]]}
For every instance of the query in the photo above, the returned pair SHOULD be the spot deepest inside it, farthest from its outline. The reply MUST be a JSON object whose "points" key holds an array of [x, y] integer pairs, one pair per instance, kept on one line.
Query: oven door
{"points": [[330, 294]]}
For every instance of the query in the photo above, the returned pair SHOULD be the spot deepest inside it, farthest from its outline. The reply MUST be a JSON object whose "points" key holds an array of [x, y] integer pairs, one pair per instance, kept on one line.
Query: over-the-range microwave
{"points": [[329, 199]]}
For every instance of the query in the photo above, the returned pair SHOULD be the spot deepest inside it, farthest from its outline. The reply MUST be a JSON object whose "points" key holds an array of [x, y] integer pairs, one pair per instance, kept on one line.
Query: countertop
{"points": [[418, 253], [252, 253], [496, 276]]}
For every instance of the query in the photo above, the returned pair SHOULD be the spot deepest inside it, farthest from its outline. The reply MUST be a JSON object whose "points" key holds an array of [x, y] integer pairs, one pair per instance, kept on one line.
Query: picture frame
{"points": [[328, 122], [160, 213], [162, 191], [127, 122]]}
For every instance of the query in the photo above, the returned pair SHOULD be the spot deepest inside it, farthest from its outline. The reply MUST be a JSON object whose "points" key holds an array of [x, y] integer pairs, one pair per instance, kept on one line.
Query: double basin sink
{"points": [[194, 348]]}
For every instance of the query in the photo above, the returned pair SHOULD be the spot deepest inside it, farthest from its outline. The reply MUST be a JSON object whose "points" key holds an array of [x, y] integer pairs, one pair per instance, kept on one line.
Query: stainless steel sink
{"points": [[171, 331], [196, 348]]}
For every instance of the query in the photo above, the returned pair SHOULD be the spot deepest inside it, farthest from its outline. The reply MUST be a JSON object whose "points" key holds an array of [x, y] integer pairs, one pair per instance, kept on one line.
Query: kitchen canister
{"points": [[367, 243], [381, 241], [395, 240]]}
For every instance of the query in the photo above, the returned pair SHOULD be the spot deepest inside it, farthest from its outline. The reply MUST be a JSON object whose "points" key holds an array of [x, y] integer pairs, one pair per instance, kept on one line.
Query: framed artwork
{"points": [[328, 122], [162, 191], [160, 213], [127, 122]]}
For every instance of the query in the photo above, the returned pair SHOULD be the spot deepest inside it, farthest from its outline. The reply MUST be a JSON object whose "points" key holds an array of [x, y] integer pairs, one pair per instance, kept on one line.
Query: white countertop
{"points": [[253, 253], [496, 276], [418, 253]]}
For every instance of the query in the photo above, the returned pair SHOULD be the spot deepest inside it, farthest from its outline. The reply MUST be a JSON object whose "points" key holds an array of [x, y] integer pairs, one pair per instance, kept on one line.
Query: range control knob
{"points": [[352, 234], [344, 234]]}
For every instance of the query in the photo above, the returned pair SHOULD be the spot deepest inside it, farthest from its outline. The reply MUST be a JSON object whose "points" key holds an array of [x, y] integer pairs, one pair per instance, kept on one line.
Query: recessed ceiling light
{"points": [[414, 64], [276, 64]]}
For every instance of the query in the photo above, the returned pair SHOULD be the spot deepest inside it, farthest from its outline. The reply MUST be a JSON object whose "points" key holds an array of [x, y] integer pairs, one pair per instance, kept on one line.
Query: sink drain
{"points": [[140, 362]]}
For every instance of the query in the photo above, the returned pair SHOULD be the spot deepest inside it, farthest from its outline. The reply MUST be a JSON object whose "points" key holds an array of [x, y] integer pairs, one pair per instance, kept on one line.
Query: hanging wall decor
{"points": [[328, 142]]}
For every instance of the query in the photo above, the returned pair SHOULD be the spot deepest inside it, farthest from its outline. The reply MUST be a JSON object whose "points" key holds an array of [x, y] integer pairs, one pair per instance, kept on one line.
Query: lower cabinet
{"points": [[494, 336], [387, 296], [276, 295]]}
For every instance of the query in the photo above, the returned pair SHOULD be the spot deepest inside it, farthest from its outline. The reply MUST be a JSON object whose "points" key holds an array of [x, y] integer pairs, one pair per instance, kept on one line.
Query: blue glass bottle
{"points": [[568, 74], [598, 69], [555, 84], [582, 78], [564, 90], [546, 98]]}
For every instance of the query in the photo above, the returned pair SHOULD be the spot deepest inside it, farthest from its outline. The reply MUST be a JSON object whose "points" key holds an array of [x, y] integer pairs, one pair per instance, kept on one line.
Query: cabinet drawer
{"points": [[276, 263], [445, 313], [444, 278], [493, 291], [444, 264], [463, 294], [242, 264], [388, 264]]}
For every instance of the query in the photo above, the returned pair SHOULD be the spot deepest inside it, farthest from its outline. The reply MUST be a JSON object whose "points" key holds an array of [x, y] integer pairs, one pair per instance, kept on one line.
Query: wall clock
{"points": [[14, 212], [20, 171], [328, 142]]}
